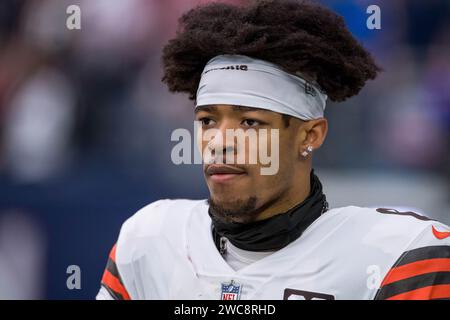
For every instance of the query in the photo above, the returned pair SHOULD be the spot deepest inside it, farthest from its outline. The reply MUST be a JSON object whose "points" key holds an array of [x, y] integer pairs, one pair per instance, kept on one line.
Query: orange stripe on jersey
{"points": [[426, 293], [114, 284], [416, 268], [112, 254]]}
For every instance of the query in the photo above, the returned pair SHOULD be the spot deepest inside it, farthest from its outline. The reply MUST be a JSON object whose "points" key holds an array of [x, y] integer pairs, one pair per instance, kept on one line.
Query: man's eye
{"points": [[250, 123], [206, 121]]}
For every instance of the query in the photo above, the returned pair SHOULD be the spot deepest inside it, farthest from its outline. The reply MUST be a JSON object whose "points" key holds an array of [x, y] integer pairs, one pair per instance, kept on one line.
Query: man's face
{"points": [[240, 191]]}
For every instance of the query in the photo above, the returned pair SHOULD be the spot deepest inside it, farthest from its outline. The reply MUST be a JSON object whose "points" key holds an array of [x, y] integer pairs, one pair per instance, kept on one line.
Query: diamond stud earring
{"points": [[308, 150]]}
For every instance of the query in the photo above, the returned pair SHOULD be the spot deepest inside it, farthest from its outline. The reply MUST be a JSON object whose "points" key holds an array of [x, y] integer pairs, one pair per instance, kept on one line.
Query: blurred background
{"points": [[85, 126]]}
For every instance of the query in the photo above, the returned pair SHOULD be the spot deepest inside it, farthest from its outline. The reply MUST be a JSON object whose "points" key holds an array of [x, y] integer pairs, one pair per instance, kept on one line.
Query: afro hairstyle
{"points": [[301, 37]]}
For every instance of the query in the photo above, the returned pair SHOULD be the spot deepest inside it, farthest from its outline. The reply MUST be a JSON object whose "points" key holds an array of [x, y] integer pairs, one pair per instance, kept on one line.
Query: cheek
{"points": [[265, 147], [270, 181], [266, 186], [252, 151], [288, 148], [200, 143]]}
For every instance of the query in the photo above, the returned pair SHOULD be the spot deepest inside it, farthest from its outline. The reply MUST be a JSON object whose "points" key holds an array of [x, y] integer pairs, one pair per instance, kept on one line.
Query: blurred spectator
{"points": [[39, 127], [22, 254]]}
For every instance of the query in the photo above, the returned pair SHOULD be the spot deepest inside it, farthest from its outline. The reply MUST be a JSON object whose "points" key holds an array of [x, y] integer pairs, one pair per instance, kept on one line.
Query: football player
{"points": [[271, 65]]}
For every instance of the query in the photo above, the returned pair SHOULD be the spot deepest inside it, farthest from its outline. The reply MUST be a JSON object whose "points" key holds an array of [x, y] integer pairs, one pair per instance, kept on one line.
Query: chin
{"points": [[228, 200], [224, 192]]}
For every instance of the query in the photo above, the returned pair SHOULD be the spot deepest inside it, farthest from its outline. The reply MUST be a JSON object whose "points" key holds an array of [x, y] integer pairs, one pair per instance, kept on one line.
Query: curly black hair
{"points": [[298, 36]]}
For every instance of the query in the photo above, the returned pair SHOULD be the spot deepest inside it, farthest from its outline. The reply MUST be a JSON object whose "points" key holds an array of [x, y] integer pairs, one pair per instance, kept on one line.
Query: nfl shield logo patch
{"points": [[231, 291]]}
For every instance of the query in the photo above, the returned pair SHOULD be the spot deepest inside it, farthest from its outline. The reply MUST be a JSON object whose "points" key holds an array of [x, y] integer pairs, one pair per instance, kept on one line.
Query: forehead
{"points": [[217, 108]]}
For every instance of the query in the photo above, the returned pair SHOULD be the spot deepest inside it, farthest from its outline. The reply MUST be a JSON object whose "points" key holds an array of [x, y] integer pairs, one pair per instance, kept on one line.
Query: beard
{"points": [[240, 210]]}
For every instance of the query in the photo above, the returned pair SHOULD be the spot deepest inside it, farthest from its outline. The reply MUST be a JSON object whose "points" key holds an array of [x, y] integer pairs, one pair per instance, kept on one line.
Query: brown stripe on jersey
{"points": [[111, 279], [112, 267], [404, 213], [425, 253], [114, 295], [439, 291], [413, 283], [113, 283], [415, 271]]}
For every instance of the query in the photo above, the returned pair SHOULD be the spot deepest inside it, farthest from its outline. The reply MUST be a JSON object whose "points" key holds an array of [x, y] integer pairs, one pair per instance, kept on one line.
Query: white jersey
{"points": [[166, 251]]}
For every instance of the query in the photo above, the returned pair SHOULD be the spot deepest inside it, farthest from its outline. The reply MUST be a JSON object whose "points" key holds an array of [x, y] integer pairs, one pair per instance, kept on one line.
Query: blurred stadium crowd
{"points": [[85, 126]]}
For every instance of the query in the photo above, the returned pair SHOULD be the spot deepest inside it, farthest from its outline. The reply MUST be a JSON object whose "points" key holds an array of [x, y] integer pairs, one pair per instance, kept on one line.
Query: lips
{"points": [[223, 169], [221, 173]]}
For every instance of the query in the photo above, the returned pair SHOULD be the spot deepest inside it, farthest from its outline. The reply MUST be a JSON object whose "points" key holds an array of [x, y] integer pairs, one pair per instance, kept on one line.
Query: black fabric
{"points": [[275, 232], [424, 253], [112, 268]]}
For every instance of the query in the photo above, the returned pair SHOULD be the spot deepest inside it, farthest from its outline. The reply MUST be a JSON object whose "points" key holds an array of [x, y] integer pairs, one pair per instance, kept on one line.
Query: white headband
{"points": [[244, 81]]}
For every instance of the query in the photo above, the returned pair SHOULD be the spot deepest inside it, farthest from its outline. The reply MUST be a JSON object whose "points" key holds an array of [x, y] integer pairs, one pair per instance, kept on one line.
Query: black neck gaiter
{"points": [[277, 231]]}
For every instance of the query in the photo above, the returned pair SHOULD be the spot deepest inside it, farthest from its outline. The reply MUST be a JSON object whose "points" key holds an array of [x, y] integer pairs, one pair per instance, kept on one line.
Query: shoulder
{"points": [[414, 250], [388, 229], [155, 230], [152, 230], [153, 218], [421, 270], [394, 251], [373, 232], [386, 222], [159, 223], [383, 232]]}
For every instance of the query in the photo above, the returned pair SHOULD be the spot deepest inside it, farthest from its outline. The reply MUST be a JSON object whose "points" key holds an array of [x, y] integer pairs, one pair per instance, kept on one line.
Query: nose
{"points": [[219, 146]]}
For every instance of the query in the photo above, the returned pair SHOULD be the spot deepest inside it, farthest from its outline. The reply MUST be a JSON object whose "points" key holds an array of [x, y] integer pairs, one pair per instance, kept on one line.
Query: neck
{"points": [[277, 231]]}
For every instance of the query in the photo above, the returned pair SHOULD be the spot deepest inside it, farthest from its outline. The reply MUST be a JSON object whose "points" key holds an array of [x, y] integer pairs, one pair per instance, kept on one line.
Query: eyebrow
{"points": [[213, 109]]}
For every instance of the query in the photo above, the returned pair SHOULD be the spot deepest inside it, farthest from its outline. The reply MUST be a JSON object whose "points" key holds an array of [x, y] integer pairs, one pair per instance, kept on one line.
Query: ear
{"points": [[313, 133]]}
